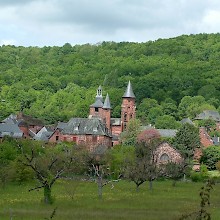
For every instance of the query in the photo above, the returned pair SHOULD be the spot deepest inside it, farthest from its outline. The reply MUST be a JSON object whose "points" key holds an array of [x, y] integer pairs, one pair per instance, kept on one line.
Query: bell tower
{"points": [[128, 108], [96, 107]]}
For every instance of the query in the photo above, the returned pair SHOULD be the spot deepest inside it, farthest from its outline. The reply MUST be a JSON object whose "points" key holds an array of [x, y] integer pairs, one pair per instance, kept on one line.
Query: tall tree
{"points": [[187, 140]]}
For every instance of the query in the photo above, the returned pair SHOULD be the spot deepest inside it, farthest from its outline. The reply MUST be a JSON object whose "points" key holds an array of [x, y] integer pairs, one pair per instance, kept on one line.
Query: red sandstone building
{"points": [[99, 129]]}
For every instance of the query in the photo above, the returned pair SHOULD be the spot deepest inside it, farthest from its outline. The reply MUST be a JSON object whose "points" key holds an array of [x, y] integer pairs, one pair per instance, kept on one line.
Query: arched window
{"points": [[164, 157]]}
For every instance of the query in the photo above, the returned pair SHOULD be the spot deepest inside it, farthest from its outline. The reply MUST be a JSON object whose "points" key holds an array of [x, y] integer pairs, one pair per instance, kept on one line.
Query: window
{"points": [[125, 116], [164, 157], [57, 138], [96, 109]]}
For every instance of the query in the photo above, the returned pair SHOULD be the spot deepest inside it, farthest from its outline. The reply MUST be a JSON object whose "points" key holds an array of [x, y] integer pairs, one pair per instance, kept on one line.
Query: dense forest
{"points": [[172, 78]]}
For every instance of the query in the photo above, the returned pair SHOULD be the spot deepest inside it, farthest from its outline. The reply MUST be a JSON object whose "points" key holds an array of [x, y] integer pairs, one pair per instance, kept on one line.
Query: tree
{"points": [[174, 171], [210, 157], [166, 122], [103, 176], [154, 113], [48, 165], [129, 136], [209, 124], [117, 156], [144, 167], [187, 140]]}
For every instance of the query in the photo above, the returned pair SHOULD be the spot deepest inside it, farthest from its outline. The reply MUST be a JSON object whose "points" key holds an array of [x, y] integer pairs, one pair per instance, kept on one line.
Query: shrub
{"points": [[218, 165], [198, 176]]}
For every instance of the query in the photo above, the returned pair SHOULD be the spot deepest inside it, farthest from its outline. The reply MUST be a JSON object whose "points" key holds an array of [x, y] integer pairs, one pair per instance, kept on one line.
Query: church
{"points": [[99, 129]]}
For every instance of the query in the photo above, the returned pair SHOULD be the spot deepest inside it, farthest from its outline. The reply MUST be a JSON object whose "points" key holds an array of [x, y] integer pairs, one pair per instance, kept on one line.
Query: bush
{"points": [[218, 165], [210, 157], [198, 176]]}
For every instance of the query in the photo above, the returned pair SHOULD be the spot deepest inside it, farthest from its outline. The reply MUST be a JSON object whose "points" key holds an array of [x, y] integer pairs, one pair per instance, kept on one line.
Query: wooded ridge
{"points": [[172, 78]]}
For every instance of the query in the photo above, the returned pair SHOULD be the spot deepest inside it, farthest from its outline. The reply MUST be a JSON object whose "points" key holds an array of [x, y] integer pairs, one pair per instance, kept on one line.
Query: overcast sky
{"points": [[56, 22]]}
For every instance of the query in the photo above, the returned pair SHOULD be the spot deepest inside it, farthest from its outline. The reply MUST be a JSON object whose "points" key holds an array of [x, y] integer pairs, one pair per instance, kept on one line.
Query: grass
{"points": [[79, 200]]}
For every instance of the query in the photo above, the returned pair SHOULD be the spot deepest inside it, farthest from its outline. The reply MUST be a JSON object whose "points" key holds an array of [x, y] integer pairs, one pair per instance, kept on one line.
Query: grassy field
{"points": [[79, 200]]}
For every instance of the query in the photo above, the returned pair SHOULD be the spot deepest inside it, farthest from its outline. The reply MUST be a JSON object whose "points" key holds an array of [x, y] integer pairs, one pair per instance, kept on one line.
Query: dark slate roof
{"points": [[82, 126], [167, 132], [11, 119], [107, 104], [208, 114], [43, 134], [98, 104], [163, 132], [216, 140], [11, 130], [115, 121], [61, 125], [186, 120], [129, 91]]}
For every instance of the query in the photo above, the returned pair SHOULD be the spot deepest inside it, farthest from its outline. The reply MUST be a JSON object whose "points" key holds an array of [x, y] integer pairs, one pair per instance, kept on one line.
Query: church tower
{"points": [[128, 108], [96, 107]]}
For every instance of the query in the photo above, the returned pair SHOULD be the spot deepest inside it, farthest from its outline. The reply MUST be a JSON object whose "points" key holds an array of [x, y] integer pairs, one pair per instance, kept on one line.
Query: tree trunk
{"points": [[150, 185], [137, 187], [47, 194], [99, 182]]}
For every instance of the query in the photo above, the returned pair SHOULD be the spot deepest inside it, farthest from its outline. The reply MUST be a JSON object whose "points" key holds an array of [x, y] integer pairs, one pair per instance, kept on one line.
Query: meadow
{"points": [[79, 200]]}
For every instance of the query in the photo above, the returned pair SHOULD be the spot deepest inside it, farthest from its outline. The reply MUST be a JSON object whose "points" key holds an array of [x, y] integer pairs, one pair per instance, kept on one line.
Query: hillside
{"points": [[56, 83]]}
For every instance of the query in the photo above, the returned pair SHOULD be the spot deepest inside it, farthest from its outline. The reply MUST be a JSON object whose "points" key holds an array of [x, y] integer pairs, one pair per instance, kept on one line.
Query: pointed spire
{"points": [[129, 91], [107, 104]]}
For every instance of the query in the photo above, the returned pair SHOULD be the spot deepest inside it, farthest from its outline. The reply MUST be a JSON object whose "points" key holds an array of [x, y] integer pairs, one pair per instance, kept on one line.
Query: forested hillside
{"points": [[171, 78]]}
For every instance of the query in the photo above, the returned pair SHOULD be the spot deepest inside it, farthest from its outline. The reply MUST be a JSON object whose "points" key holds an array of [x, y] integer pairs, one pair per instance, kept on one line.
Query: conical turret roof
{"points": [[129, 91], [107, 104]]}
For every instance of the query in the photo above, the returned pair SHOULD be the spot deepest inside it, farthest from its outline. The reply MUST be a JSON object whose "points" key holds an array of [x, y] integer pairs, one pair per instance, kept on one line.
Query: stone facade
{"points": [[166, 153]]}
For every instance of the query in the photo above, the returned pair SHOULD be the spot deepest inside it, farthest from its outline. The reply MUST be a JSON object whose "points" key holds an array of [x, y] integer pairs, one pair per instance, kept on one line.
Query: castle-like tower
{"points": [[103, 111], [128, 108]]}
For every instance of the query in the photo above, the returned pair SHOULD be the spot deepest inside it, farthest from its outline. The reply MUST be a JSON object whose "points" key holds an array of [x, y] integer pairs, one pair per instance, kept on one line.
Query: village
{"points": [[100, 132]]}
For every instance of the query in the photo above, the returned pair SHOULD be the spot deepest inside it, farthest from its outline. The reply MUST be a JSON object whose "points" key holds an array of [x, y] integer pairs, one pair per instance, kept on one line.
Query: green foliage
{"points": [[129, 136], [117, 157], [60, 81], [167, 122], [209, 124], [198, 176], [187, 139], [211, 156], [218, 165]]}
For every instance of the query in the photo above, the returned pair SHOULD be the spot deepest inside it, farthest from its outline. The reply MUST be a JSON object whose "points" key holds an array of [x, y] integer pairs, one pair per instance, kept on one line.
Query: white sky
{"points": [[56, 22]]}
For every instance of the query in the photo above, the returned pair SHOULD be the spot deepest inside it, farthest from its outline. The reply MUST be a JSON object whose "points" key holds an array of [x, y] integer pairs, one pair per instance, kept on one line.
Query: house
{"points": [[208, 114], [99, 129], [11, 130], [166, 153], [27, 125]]}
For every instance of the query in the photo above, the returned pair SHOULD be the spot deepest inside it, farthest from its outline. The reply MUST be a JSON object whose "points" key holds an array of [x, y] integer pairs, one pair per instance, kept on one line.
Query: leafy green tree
{"points": [[167, 122], [210, 157], [117, 157], [48, 166], [187, 140], [129, 136], [144, 108], [154, 113]]}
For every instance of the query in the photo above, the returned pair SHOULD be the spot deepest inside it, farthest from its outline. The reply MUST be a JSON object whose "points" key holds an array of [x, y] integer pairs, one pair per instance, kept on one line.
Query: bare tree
{"points": [[102, 176]]}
